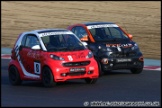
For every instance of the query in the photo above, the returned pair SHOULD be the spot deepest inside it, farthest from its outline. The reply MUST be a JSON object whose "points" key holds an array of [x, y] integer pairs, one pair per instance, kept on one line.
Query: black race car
{"points": [[112, 47]]}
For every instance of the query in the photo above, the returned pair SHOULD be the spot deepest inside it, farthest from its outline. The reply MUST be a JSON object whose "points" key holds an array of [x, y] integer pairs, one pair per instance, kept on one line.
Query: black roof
{"points": [[96, 23]]}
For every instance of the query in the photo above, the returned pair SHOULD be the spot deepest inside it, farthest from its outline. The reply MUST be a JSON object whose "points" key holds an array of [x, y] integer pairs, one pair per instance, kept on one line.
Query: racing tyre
{"points": [[136, 70], [91, 81], [101, 73], [47, 78], [14, 76]]}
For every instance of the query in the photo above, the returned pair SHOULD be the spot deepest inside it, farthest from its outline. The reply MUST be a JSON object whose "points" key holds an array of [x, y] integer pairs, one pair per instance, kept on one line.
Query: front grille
{"points": [[83, 63], [118, 55], [132, 54], [76, 73], [123, 65]]}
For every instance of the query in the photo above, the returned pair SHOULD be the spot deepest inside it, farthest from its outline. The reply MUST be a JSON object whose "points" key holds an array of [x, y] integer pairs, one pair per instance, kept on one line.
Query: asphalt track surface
{"points": [[118, 86]]}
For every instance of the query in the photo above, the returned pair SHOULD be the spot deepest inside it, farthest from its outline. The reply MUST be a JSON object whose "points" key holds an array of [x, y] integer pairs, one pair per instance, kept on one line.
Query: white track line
{"points": [[157, 68]]}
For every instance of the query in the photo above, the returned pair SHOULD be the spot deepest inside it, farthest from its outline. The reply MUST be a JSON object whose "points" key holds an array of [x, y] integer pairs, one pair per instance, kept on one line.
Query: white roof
{"points": [[43, 30]]}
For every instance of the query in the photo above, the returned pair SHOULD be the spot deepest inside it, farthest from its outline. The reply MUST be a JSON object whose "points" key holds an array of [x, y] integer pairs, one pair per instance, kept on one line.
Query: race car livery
{"points": [[112, 47], [51, 56]]}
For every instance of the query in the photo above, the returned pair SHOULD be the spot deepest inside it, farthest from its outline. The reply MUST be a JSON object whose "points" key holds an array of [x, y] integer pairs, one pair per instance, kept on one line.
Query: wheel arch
{"points": [[17, 66], [46, 66]]}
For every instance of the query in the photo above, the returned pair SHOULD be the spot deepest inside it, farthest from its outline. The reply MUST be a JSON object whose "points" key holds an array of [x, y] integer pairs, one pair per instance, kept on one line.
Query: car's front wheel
{"points": [[136, 70], [14, 76], [47, 77], [101, 73], [90, 81]]}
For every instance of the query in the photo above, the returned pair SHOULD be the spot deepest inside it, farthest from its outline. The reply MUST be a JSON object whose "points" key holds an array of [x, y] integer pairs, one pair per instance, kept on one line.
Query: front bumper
{"points": [[122, 63], [62, 73]]}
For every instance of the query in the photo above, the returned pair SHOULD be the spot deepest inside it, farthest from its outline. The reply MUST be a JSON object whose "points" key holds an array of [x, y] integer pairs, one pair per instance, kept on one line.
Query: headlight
{"points": [[135, 47], [108, 49], [90, 55], [56, 57]]}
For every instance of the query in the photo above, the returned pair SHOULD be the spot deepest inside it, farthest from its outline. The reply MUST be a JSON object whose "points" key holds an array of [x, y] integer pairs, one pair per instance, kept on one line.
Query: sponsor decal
{"points": [[26, 73], [77, 69], [123, 60], [102, 25], [33, 54], [119, 45], [54, 33]]}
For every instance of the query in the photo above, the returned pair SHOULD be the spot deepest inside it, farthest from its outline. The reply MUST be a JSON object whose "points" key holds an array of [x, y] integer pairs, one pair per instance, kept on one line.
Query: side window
{"points": [[73, 30], [115, 32], [79, 32], [23, 41], [107, 31], [31, 40], [45, 40], [27, 43]]}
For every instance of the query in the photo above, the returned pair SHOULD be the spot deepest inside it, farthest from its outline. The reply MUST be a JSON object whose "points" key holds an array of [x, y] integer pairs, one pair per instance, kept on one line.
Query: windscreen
{"points": [[62, 42], [106, 32]]}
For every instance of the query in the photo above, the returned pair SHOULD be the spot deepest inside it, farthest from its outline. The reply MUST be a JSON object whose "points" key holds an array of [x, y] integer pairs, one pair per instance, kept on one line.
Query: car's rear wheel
{"points": [[14, 76], [136, 70], [47, 77], [90, 81]]}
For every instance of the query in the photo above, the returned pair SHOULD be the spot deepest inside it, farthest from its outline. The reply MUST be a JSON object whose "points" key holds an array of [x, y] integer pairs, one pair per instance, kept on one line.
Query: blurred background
{"points": [[142, 19]]}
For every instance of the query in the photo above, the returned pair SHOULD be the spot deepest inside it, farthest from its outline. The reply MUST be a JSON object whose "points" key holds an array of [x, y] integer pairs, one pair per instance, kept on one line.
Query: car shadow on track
{"points": [[39, 83], [74, 82], [117, 72]]}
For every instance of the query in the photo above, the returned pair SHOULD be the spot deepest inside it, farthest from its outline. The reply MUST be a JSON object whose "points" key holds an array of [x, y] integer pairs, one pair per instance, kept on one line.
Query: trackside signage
{"points": [[54, 33], [102, 25]]}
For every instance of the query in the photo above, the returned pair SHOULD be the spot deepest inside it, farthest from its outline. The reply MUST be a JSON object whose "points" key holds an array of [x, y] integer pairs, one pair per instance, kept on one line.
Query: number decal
{"points": [[37, 67], [70, 57]]}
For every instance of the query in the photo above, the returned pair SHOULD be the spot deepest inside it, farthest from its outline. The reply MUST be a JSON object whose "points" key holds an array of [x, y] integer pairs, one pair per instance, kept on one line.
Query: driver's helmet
{"points": [[54, 40]]}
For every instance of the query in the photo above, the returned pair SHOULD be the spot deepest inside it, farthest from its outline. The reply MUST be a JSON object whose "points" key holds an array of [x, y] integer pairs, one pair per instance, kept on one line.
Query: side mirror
{"points": [[130, 36], [84, 43], [36, 47], [84, 38]]}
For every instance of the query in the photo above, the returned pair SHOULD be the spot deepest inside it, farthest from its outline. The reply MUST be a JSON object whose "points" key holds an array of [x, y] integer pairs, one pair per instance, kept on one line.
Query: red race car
{"points": [[51, 56]]}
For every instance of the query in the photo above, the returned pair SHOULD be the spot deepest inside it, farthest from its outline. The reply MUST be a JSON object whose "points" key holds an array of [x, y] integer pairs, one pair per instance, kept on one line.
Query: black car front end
{"points": [[126, 59], [118, 56]]}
